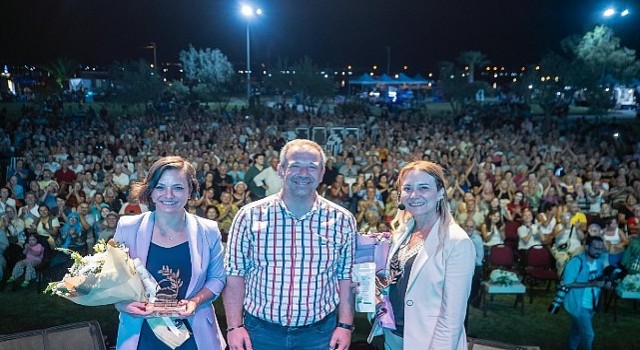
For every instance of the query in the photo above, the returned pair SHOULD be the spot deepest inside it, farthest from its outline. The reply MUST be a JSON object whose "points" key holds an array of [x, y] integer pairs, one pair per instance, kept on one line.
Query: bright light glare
{"points": [[247, 10], [624, 13], [609, 12]]}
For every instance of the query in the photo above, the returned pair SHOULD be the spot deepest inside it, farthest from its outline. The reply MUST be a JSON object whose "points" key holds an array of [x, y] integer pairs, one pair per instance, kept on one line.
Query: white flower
{"points": [[631, 283], [83, 265], [503, 277]]}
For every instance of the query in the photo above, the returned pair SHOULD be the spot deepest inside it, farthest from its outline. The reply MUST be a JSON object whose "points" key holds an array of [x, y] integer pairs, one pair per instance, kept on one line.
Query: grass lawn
{"points": [[27, 310], [116, 109]]}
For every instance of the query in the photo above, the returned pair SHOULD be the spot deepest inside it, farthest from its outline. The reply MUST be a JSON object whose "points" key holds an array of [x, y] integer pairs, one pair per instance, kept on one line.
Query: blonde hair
{"points": [[399, 224]]}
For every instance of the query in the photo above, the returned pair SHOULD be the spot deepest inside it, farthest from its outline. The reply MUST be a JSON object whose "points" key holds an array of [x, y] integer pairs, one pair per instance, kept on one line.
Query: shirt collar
{"points": [[317, 204]]}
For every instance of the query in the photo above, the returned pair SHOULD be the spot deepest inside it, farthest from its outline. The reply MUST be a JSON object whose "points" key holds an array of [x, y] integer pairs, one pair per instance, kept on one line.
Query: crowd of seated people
{"points": [[551, 184]]}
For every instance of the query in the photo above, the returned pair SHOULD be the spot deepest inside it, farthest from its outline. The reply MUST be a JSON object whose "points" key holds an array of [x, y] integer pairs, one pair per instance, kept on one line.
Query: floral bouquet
{"points": [[631, 283], [372, 250], [106, 277], [503, 277], [110, 276]]}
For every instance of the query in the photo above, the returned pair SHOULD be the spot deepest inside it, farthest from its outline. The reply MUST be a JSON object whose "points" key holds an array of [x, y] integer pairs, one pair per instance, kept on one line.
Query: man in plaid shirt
{"points": [[289, 263]]}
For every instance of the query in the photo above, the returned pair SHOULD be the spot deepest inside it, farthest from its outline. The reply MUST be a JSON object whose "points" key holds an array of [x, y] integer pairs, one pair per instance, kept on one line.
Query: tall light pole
{"points": [[249, 12], [388, 59], [152, 45]]}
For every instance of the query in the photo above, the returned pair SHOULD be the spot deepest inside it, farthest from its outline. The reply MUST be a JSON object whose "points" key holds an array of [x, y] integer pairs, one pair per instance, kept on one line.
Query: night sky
{"points": [[333, 33]]}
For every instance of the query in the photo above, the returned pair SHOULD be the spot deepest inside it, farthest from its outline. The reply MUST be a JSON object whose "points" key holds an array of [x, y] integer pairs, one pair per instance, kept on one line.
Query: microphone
{"points": [[401, 206]]}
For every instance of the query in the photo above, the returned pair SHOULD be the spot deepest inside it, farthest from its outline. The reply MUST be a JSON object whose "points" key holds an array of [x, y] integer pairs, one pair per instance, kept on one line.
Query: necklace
{"points": [[164, 233], [408, 251], [411, 247]]}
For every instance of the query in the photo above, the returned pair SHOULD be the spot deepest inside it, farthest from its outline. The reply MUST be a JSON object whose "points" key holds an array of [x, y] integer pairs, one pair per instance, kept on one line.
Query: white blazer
{"points": [[437, 291]]}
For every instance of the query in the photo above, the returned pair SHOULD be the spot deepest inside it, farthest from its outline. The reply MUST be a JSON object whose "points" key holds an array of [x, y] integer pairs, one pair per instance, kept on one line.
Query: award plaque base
{"points": [[166, 308]]}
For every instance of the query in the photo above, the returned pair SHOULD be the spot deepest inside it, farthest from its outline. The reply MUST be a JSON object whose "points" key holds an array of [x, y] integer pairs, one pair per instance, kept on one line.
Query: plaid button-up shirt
{"points": [[291, 266]]}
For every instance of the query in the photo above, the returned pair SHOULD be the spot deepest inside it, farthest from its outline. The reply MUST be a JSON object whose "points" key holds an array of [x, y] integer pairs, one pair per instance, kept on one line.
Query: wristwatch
{"points": [[347, 326]]}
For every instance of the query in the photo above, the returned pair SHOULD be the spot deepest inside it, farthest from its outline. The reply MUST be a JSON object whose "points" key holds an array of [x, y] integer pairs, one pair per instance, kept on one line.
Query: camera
{"points": [[612, 274], [557, 301]]}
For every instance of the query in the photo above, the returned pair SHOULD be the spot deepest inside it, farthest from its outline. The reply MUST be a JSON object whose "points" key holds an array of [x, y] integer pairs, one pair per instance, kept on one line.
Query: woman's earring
{"points": [[438, 206]]}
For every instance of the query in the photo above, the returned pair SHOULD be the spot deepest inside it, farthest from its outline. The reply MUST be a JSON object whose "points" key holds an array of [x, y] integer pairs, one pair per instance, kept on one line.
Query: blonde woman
{"points": [[431, 264]]}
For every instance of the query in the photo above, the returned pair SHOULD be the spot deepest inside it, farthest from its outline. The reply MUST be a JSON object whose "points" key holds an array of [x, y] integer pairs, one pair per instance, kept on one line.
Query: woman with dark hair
{"points": [[339, 191], [492, 230], [95, 206], [48, 226], [6, 200], [546, 221], [208, 199], [212, 213], [208, 180], [430, 265], [175, 246], [76, 194], [516, 207]]}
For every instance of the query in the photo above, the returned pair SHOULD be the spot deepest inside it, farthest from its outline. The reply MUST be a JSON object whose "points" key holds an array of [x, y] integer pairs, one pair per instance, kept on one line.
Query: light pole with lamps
{"points": [[248, 12], [610, 12], [152, 45]]}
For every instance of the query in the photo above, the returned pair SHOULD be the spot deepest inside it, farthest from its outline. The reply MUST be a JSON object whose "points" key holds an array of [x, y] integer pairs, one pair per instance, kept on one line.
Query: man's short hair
{"points": [[301, 143], [591, 239]]}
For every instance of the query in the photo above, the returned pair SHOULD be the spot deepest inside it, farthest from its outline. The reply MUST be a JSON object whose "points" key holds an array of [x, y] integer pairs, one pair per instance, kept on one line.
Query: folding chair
{"points": [[502, 256], [540, 267]]}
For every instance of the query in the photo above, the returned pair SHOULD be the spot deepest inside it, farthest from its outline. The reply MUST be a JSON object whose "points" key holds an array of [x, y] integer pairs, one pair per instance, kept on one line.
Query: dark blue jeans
{"points": [[270, 336]]}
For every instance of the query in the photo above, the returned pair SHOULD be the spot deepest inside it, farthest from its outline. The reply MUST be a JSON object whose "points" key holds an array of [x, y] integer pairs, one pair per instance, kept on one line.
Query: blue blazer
{"points": [[208, 271]]}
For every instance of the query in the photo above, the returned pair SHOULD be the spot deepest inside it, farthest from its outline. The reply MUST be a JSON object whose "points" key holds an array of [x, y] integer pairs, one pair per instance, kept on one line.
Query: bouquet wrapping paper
{"points": [[110, 276], [115, 282], [374, 248]]}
